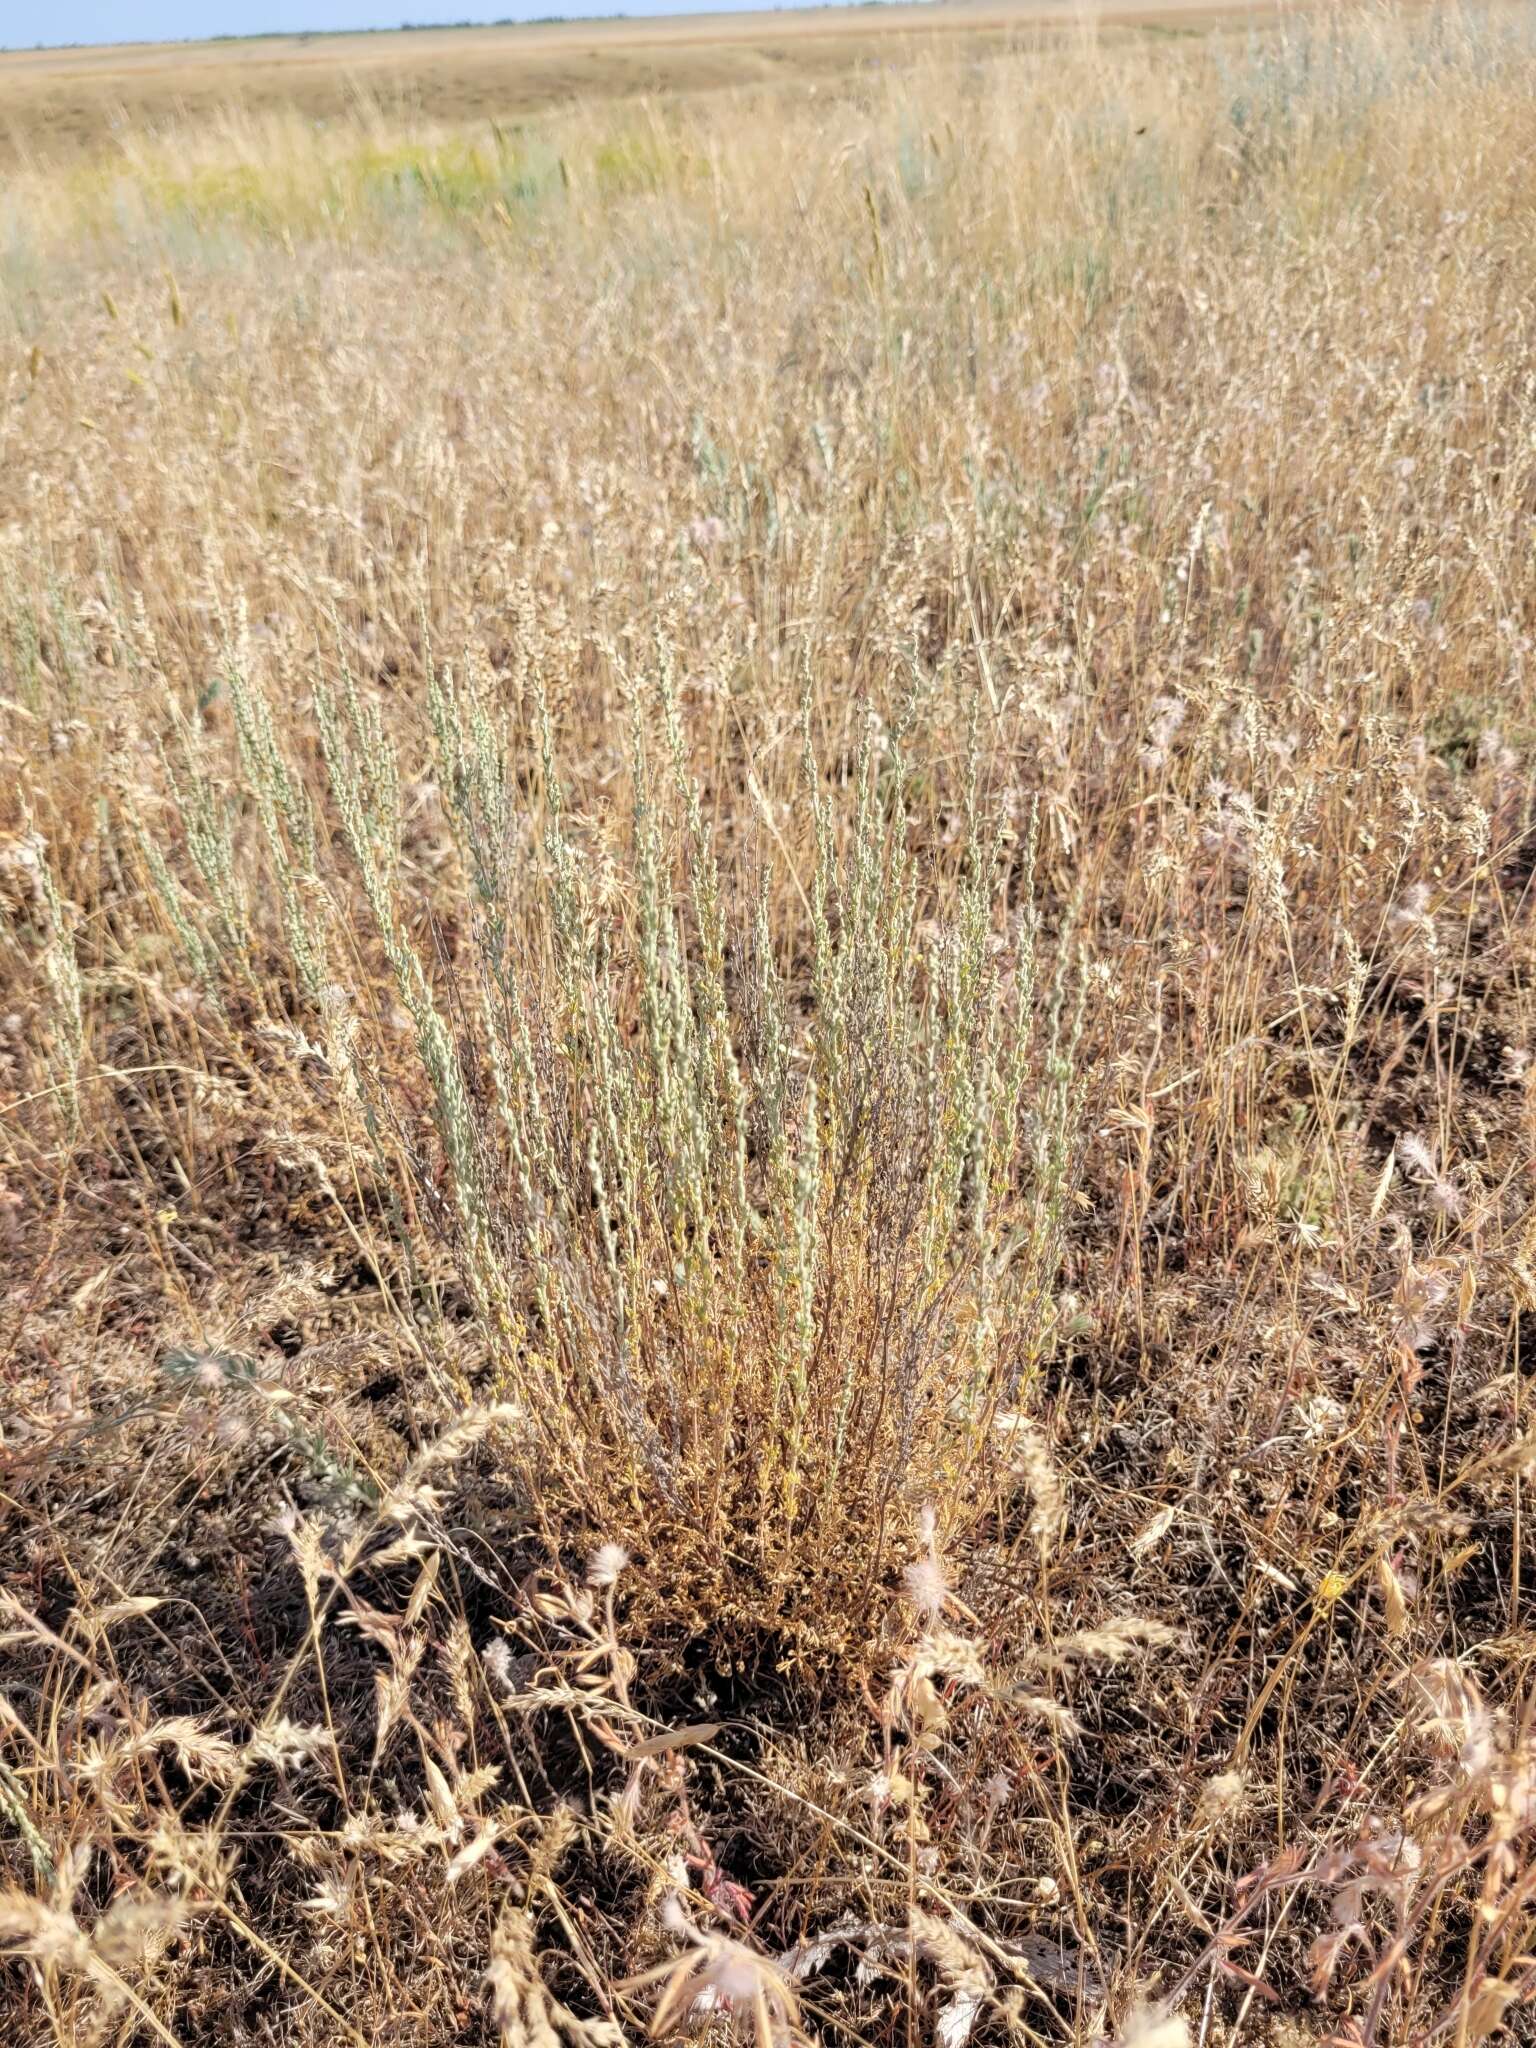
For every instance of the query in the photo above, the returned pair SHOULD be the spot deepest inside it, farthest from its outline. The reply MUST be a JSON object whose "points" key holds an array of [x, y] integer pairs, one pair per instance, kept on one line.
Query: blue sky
{"points": [[25, 22]]}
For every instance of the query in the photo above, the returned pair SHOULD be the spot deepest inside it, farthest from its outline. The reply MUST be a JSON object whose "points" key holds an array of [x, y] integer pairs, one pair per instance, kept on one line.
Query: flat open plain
{"points": [[53, 100]]}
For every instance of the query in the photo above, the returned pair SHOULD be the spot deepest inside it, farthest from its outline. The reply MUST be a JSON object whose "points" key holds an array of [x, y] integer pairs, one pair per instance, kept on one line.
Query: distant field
{"points": [[66, 100]]}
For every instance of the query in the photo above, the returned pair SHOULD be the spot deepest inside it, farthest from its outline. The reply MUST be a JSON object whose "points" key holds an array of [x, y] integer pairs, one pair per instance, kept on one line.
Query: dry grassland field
{"points": [[57, 100], [766, 1109]]}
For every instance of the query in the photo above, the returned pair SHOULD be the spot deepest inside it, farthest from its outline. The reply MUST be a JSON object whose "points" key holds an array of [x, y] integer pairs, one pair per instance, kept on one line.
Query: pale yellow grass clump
{"points": [[767, 1114]]}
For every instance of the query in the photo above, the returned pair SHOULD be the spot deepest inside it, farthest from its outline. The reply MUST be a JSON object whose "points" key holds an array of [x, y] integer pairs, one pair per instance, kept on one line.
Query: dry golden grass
{"points": [[54, 103], [767, 1118]]}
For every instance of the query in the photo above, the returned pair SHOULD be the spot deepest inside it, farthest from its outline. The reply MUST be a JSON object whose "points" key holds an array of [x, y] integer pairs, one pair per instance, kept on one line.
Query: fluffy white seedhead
{"points": [[606, 1564], [925, 1585]]}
